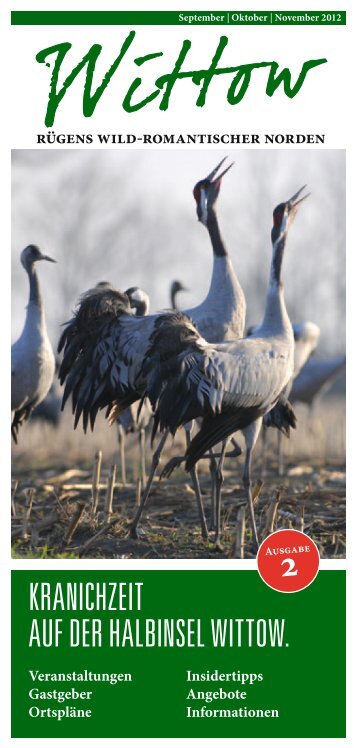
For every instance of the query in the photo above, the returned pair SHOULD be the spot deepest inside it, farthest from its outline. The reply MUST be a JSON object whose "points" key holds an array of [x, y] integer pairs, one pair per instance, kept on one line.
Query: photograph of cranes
{"points": [[178, 357]]}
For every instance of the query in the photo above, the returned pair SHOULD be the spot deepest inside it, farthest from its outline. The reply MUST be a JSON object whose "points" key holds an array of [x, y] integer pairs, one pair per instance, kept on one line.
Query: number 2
{"points": [[289, 572]]}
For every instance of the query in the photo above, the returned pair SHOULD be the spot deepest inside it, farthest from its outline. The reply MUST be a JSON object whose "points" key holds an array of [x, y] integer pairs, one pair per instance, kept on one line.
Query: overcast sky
{"points": [[129, 217]]}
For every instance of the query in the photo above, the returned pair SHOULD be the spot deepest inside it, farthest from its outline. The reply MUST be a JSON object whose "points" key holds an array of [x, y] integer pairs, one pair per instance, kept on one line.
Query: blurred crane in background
{"points": [[175, 288], [315, 379]]}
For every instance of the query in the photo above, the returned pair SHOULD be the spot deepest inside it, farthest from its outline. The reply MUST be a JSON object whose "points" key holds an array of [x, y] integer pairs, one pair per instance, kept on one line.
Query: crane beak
{"points": [[49, 259], [294, 203], [212, 176]]}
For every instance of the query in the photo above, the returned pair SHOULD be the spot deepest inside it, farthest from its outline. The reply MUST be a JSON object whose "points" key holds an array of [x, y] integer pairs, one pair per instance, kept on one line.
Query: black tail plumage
{"points": [[215, 429], [20, 416], [282, 417]]}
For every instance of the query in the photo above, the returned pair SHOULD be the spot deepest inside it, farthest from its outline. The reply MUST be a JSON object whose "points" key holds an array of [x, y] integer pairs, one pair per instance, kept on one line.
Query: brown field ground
{"points": [[52, 493]]}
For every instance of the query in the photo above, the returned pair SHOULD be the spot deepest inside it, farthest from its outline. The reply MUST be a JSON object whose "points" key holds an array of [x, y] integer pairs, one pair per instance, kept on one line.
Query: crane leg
{"points": [[264, 452], [219, 480], [280, 454], [236, 452], [122, 443], [246, 478], [142, 443], [197, 491], [213, 469], [146, 492], [196, 486]]}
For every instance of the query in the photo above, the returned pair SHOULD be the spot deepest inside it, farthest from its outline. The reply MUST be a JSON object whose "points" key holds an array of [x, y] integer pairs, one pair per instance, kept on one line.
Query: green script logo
{"points": [[165, 83]]}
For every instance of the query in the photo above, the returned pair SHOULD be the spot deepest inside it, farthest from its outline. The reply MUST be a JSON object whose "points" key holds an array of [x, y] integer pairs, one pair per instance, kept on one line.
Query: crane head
{"points": [[177, 286], [32, 254], [105, 284], [206, 191], [284, 214], [139, 300]]}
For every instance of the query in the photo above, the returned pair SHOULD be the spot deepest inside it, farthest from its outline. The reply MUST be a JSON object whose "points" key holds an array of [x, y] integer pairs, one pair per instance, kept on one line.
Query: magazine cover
{"points": [[175, 201]]}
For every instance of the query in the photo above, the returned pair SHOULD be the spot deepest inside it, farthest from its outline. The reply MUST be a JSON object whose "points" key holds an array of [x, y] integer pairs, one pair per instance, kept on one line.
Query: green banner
{"points": [[179, 18], [176, 654]]}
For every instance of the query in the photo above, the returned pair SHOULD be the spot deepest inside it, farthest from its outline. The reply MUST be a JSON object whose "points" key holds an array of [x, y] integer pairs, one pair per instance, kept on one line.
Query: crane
{"points": [[316, 378], [104, 348], [105, 344], [222, 313], [232, 385], [175, 288], [32, 358], [139, 300], [306, 339], [219, 317]]}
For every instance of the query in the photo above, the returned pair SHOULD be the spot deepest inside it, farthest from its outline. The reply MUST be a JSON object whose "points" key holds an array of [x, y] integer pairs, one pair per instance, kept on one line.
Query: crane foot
{"points": [[135, 533]]}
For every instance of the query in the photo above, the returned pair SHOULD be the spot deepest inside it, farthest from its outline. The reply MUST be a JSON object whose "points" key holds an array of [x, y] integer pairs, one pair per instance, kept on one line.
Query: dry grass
{"points": [[52, 501]]}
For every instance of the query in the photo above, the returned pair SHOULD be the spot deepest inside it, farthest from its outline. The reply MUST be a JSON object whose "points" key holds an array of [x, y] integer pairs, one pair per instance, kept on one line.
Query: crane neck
{"points": [[35, 315], [35, 292], [225, 297], [141, 308], [277, 259], [217, 242], [276, 320], [173, 299], [221, 316]]}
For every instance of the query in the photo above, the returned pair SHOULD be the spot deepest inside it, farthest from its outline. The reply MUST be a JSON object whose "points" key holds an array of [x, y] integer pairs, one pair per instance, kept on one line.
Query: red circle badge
{"points": [[288, 560]]}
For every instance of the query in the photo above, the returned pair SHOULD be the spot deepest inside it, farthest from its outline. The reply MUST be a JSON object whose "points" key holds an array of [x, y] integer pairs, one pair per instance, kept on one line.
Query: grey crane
{"points": [[316, 378], [222, 313], [232, 385], [32, 358], [175, 288], [306, 339], [135, 419], [139, 300], [219, 317], [105, 344], [130, 420], [104, 348]]}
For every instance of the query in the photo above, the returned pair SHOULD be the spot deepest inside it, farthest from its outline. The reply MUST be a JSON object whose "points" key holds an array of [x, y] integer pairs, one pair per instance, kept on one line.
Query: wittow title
{"points": [[165, 84]]}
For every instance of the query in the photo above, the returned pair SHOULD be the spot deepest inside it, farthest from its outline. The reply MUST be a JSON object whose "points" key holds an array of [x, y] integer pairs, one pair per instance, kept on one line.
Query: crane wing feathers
{"points": [[103, 347], [209, 380]]}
